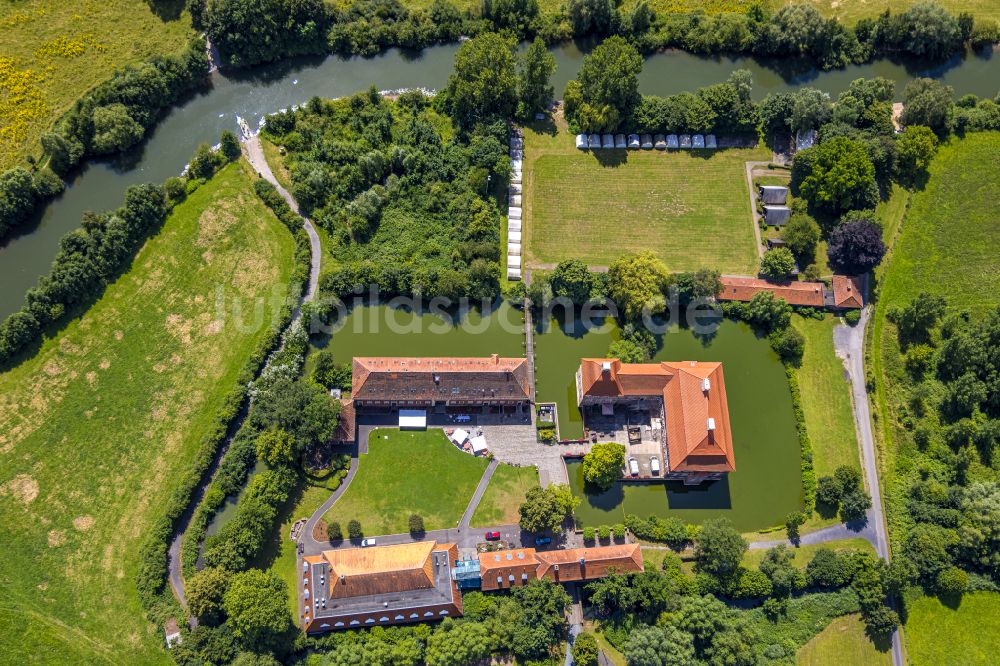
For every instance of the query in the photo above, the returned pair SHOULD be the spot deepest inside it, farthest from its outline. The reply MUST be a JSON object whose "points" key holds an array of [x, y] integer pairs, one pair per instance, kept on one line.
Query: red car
{"points": [[492, 536]]}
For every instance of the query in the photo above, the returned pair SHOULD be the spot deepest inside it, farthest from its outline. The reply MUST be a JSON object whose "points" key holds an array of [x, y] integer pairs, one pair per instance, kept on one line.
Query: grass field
{"points": [[948, 244], [844, 641], [826, 398], [805, 553], [690, 208], [409, 472], [97, 428], [53, 52], [968, 635], [504, 495]]}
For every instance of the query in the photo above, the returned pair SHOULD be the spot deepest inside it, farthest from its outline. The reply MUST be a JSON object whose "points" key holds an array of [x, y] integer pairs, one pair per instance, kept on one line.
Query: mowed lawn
{"points": [[504, 496], [97, 428], [826, 398], [948, 244], [939, 635], [407, 472], [690, 208], [844, 641], [53, 52]]}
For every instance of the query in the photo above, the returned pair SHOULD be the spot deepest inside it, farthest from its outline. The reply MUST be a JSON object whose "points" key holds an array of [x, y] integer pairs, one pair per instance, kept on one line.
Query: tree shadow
{"points": [[611, 158], [826, 511], [166, 10]]}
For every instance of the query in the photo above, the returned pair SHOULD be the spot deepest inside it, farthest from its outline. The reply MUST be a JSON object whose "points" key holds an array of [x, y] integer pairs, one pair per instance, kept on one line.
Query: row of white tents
{"points": [[646, 141], [514, 206]]}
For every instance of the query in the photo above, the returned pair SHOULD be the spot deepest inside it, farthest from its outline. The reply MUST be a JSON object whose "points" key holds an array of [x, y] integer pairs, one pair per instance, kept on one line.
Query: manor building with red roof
{"points": [[688, 397]]}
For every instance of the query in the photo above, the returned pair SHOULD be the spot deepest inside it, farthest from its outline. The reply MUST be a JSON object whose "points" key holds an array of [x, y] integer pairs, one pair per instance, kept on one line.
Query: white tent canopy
{"points": [[459, 436], [513, 273], [514, 248], [513, 262], [514, 237], [412, 419], [515, 200], [514, 212], [513, 225], [478, 444]]}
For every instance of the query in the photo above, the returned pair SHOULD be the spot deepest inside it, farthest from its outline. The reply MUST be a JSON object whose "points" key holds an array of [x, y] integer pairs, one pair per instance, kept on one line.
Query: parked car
{"points": [[541, 541], [367, 542], [654, 465], [492, 536], [633, 466]]}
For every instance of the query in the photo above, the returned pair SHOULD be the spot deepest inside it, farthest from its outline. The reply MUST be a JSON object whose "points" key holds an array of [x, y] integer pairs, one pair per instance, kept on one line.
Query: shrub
{"points": [[777, 263], [919, 358], [416, 524], [828, 491], [852, 317], [585, 650], [354, 529], [619, 531], [588, 534], [789, 345], [604, 532], [952, 582], [669, 530], [334, 532]]}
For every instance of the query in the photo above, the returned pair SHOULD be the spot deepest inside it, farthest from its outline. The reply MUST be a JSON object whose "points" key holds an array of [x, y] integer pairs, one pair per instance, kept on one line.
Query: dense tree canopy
{"points": [[855, 247], [636, 283], [257, 605], [777, 263], [720, 548], [914, 151], [602, 466], [606, 89], [928, 102], [835, 176], [572, 279], [484, 83], [545, 509]]}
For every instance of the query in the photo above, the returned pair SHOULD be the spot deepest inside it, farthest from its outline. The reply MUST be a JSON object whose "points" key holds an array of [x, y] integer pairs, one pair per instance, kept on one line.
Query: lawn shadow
{"points": [[611, 158], [546, 126]]}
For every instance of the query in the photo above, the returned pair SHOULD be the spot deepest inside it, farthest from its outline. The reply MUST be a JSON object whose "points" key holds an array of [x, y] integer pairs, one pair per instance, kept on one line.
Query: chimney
{"points": [[606, 368], [343, 579], [711, 424], [495, 358], [706, 384]]}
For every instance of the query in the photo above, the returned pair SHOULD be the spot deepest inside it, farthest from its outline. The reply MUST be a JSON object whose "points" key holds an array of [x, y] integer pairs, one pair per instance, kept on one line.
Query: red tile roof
{"points": [[848, 291], [527, 564], [794, 293], [444, 378], [691, 446]]}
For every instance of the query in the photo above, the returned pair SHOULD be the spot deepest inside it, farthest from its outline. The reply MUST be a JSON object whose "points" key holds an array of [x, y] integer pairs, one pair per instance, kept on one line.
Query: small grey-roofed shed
{"points": [[660, 142], [710, 141], [647, 142], [774, 195], [685, 140], [581, 141], [777, 215], [513, 225], [620, 141], [672, 141], [698, 141], [594, 141], [633, 142], [608, 141]]}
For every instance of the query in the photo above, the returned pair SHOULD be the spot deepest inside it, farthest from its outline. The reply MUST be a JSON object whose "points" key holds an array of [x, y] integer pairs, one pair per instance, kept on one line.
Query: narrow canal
{"points": [[263, 90]]}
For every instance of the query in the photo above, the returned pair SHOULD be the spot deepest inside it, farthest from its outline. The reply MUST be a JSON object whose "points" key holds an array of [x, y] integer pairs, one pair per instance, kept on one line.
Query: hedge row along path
{"points": [[255, 155]]}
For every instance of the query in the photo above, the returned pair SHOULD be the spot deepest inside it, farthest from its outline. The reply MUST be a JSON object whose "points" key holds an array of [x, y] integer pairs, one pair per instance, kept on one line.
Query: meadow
{"points": [[844, 641], [944, 246], [99, 426], [53, 52], [691, 208], [947, 635], [826, 398]]}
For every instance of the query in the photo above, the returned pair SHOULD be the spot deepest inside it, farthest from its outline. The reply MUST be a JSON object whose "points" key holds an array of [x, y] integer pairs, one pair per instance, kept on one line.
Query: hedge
{"points": [[805, 445]]}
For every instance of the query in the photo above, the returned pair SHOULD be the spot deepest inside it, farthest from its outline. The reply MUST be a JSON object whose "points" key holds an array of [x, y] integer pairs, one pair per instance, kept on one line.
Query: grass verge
{"points": [[826, 398], [100, 426], [967, 634]]}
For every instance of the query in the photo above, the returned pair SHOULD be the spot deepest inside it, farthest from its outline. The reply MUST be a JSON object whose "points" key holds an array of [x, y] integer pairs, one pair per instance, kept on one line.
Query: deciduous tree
{"points": [[855, 247], [719, 549], [836, 176], [257, 605], [602, 466], [484, 83]]}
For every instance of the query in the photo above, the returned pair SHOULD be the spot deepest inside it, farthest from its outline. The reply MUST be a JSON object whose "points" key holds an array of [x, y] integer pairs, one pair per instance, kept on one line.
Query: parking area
{"points": [[639, 430]]}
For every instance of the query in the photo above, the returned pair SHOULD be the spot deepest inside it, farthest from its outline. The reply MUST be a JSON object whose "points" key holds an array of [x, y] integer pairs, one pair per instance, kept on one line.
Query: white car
{"points": [[633, 466], [367, 542], [654, 465]]}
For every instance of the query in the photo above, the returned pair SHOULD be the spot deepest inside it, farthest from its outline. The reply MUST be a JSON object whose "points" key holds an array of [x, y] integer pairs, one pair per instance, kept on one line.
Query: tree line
{"points": [[254, 31], [90, 257]]}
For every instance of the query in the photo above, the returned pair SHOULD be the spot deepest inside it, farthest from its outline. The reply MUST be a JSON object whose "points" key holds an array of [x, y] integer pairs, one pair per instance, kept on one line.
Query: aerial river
{"points": [[101, 185]]}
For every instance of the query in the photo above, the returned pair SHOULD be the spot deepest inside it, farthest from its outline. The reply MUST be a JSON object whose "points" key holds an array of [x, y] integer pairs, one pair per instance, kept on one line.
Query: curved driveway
{"points": [[255, 155]]}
